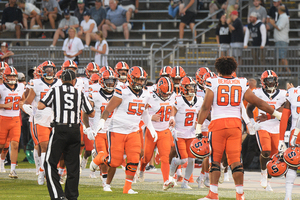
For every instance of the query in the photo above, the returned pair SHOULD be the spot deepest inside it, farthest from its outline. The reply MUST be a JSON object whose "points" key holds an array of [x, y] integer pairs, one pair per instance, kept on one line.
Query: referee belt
{"points": [[68, 125]]}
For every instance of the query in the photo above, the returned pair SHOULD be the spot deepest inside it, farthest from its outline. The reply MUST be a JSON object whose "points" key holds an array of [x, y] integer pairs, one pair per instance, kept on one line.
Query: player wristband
{"points": [[269, 116], [198, 128], [172, 117], [297, 130], [277, 114]]}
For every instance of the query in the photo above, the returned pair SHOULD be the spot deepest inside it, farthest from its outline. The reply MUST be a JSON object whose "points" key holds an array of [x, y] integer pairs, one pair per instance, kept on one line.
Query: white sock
{"points": [[2, 163], [189, 168], [12, 167], [264, 171], [206, 174], [214, 188], [42, 160], [289, 183], [124, 156], [36, 159], [179, 172], [60, 171], [239, 189]]}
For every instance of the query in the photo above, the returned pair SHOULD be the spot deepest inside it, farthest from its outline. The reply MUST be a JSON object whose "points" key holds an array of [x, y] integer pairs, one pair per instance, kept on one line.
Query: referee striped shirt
{"points": [[67, 102]]}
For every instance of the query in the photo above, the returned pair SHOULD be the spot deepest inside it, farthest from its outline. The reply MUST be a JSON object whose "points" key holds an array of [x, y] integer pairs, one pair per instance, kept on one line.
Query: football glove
{"points": [[174, 133], [90, 133], [281, 146], [198, 132], [28, 109]]}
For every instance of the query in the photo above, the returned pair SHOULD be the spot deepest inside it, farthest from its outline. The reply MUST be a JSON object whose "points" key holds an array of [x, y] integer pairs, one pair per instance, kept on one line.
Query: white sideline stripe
{"points": [[49, 167]]}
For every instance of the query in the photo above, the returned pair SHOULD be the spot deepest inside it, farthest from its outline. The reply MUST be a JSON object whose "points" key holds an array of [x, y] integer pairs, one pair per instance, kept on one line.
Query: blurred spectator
{"points": [[188, 16], [273, 13], [30, 11], [98, 13], [88, 29], [73, 46], [67, 22], [12, 19], [174, 8], [231, 6], [260, 10], [80, 10], [130, 6], [116, 20], [64, 4], [258, 32], [6, 54], [237, 35], [101, 47], [223, 35], [51, 12], [281, 34], [215, 6]]}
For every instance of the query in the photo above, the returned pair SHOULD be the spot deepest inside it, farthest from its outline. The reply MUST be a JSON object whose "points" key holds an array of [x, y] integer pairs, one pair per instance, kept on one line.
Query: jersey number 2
{"points": [[229, 95]]}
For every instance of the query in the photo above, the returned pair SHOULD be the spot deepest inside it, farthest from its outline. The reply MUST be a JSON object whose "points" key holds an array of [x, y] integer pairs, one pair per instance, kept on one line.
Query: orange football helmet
{"points": [[134, 75], [186, 82], [276, 166], [104, 68], [165, 71], [48, 73], [69, 64], [200, 148], [92, 67], [124, 66], [164, 88], [177, 74], [3, 65], [199, 75], [108, 80], [291, 156], [234, 74], [269, 80], [38, 72], [94, 79], [58, 74], [10, 75]]}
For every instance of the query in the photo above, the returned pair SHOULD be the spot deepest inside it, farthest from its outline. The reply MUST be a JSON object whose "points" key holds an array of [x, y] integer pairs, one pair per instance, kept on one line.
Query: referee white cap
{"points": [[68, 75]]}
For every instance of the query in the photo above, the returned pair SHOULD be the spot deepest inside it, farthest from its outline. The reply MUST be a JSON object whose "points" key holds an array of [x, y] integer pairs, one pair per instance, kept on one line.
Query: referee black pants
{"points": [[64, 140]]}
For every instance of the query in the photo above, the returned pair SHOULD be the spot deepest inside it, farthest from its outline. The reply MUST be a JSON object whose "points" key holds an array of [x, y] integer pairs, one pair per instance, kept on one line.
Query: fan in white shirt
{"points": [[72, 46], [101, 50], [88, 28]]}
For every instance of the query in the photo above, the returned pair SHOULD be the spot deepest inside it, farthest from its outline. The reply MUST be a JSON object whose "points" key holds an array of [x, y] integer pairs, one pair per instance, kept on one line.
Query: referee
{"points": [[66, 104]]}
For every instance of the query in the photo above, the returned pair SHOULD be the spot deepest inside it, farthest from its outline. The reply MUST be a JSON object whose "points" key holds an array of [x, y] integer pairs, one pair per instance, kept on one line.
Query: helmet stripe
{"points": [[177, 71], [94, 66], [207, 69], [269, 73], [142, 71], [164, 69], [169, 84]]}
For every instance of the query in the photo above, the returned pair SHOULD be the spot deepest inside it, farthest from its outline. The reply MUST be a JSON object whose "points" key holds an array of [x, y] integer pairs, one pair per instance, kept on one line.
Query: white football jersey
{"points": [[9, 95], [293, 96], [128, 114], [164, 108], [121, 84], [152, 88], [94, 87], [40, 88], [186, 116], [201, 93], [85, 85], [275, 100], [228, 95], [100, 100]]}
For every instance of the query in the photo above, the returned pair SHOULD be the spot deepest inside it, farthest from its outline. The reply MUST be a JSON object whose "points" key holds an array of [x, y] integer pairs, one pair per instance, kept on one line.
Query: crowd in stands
{"points": [[109, 16]]}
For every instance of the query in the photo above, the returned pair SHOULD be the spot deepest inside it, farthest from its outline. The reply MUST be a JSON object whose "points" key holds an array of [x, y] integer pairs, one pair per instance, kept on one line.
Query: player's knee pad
{"points": [[182, 161], [238, 168], [214, 167], [265, 154], [132, 167]]}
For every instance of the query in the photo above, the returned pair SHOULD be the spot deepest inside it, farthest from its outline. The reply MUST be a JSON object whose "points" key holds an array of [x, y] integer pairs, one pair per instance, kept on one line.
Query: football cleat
{"points": [[41, 178], [168, 184], [269, 188], [93, 175], [83, 163], [142, 176], [185, 186], [106, 188], [211, 196], [93, 166], [264, 179], [240, 196], [131, 191], [13, 174]]}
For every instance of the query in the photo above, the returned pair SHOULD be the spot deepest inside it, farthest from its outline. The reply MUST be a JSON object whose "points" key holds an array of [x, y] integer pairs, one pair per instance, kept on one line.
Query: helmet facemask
{"points": [[123, 73], [48, 72], [271, 84], [109, 84], [138, 83], [11, 79]]}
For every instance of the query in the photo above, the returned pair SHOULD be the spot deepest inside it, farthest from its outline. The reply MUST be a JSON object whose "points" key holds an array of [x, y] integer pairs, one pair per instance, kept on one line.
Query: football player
{"points": [[130, 106], [99, 100], [223, 97], [11, 96], [291, 108], [177, 74], [184, 115], [42, 118], [160, 107], [121, 70], [267, 131]]}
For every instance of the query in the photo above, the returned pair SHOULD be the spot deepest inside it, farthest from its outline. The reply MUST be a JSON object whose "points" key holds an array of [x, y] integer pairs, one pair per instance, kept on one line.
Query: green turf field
{"points": [[13, 189]]}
